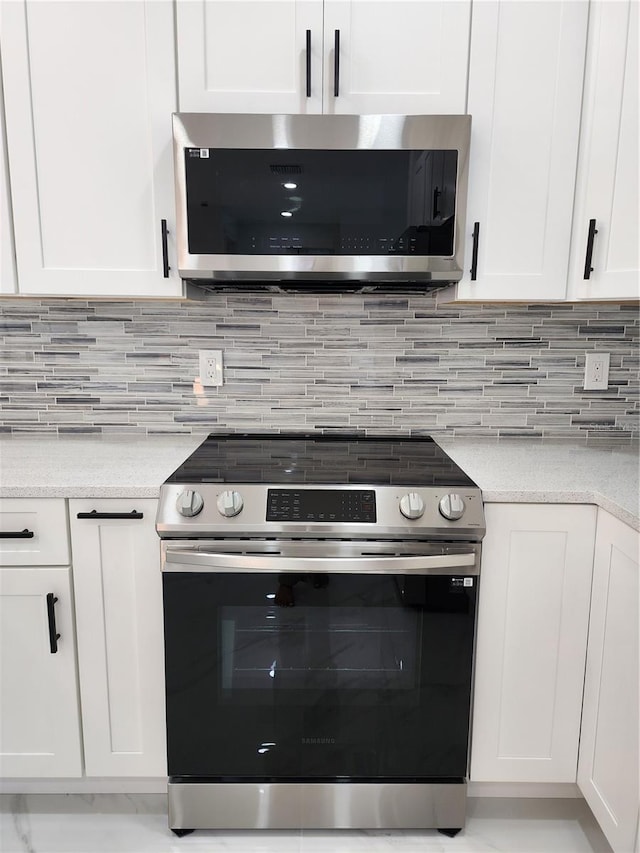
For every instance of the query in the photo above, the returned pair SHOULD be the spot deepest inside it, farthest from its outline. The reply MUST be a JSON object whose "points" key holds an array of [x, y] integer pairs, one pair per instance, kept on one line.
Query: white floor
{"points": [[137, 823]]}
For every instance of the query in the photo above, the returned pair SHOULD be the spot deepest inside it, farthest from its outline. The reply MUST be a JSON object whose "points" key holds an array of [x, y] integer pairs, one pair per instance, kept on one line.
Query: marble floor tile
{"points": [[122, 823]]}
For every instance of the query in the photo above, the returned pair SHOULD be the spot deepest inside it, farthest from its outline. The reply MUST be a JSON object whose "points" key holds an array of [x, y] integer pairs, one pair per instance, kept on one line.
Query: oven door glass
{"points": [[322, 202], [318, 677]]}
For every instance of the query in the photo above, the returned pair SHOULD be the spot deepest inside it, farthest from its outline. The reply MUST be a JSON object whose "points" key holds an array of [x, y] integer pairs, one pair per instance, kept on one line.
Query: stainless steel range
{"points": [[319, 604]]}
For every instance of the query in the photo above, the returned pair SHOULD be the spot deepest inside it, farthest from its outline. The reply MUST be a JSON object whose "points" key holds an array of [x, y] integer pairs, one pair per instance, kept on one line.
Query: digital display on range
{"points": [[329, 505]]}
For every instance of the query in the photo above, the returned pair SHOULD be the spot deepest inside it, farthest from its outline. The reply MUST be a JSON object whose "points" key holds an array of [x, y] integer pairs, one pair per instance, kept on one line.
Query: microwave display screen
{"points": [[321, 202]]}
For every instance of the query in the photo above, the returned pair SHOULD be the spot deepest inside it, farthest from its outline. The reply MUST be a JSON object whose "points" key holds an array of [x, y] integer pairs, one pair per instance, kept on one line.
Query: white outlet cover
{"points": [[596, 371], [211, 367]]}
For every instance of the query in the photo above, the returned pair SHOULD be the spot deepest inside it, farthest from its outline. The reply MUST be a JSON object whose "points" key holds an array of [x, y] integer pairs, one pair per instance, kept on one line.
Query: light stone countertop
{"points": [[521, 471], [507, 471]]}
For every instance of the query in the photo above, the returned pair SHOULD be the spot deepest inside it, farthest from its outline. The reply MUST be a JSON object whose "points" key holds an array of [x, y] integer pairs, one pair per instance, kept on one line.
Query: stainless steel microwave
{"points": [[308, 198]]}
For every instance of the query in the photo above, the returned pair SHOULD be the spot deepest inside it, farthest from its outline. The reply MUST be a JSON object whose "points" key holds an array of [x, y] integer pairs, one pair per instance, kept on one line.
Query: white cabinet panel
{"points": [[395, 56], [7, 257], [249, 56], [533, 619], [39, 723], [89, 89], [525, 85], [405, 56], [116, 565], [607, 184], [609, 767], [46, 520]]}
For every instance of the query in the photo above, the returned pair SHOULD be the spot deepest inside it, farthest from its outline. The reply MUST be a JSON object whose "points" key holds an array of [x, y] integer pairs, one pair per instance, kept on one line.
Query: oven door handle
{"points": [[192, 560]]}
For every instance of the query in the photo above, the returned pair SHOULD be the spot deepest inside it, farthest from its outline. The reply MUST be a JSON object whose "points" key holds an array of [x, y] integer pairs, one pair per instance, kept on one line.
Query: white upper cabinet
{"points": [[400, 56], [7, 257], [250, 56], [89, 90], [525, 87], [292, 56], [607, 185]]}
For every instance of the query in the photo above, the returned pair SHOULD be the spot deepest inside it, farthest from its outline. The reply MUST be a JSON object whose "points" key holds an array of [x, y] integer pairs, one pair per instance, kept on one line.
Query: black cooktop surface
{"points": [[336, 459]]}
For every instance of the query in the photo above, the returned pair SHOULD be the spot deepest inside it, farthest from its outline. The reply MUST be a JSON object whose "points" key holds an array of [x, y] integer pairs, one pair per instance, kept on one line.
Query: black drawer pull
{"points": [[95, 514], [51, 615], [588, 269], [17, 534], [165, 250], [474, 253], [336, 64]]}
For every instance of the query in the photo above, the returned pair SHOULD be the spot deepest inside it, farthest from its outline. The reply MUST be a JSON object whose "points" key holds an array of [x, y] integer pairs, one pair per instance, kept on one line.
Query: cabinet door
{"points": [[607, 187], [533, 616], [249, 56], [7, 257], [39, 724], [525, 89], [608, 768], [89, 90], [396, 56], [116, 569]]}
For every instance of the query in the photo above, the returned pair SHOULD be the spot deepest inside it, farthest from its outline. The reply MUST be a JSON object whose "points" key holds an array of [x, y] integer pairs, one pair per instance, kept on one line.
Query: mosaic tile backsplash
{"points": [[375, 362]]}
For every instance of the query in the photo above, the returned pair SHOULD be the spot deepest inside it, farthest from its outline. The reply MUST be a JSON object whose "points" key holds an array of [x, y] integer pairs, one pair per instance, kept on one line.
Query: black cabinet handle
{"points": [[17, 534], [474, 253], [588, 269], [165, 251], [336, 64], [308, 63], [95, 514], [51, 616]]}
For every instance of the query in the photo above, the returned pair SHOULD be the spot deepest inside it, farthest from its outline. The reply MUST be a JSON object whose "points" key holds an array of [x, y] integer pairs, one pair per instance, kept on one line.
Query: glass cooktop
{"points": [[297, 458]]}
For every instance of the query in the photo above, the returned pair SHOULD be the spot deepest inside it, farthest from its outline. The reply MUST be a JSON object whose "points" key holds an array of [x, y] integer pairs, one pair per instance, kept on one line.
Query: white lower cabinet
{"points": [[118, 590], [39, 723], [533, 619], [39, 717], [608, 768]]}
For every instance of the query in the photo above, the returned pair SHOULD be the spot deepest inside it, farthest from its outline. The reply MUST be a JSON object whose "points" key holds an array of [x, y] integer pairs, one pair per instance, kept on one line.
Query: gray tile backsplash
{"points": [[349, 362]]}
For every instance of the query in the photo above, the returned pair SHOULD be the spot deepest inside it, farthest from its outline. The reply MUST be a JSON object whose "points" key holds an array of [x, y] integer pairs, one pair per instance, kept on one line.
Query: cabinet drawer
{"points": [[33, 532]]}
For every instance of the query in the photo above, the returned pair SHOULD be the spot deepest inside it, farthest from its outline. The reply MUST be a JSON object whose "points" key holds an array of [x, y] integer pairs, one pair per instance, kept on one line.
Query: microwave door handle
{"points": [[308, 59], [336, 64], [190, 560], [436, 196]]}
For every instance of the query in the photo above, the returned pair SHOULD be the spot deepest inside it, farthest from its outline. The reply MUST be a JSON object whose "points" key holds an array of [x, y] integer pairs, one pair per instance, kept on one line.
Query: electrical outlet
{"points": [[596, 371], [211, 367]]}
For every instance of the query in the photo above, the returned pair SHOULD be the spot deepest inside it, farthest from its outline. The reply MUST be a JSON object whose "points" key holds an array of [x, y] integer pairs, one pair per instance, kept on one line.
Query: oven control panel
{"points": [[332, 505], [320, 511]]}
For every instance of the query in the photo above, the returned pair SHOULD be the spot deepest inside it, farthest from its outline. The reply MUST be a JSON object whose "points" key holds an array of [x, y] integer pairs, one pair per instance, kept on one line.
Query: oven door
{"points": [[313, 661]]}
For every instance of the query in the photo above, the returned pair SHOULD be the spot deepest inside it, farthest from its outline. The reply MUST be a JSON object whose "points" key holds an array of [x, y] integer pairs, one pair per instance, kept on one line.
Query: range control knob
{"points": [[412, 505], [189, 503], [451, 507], [230, 503]]}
